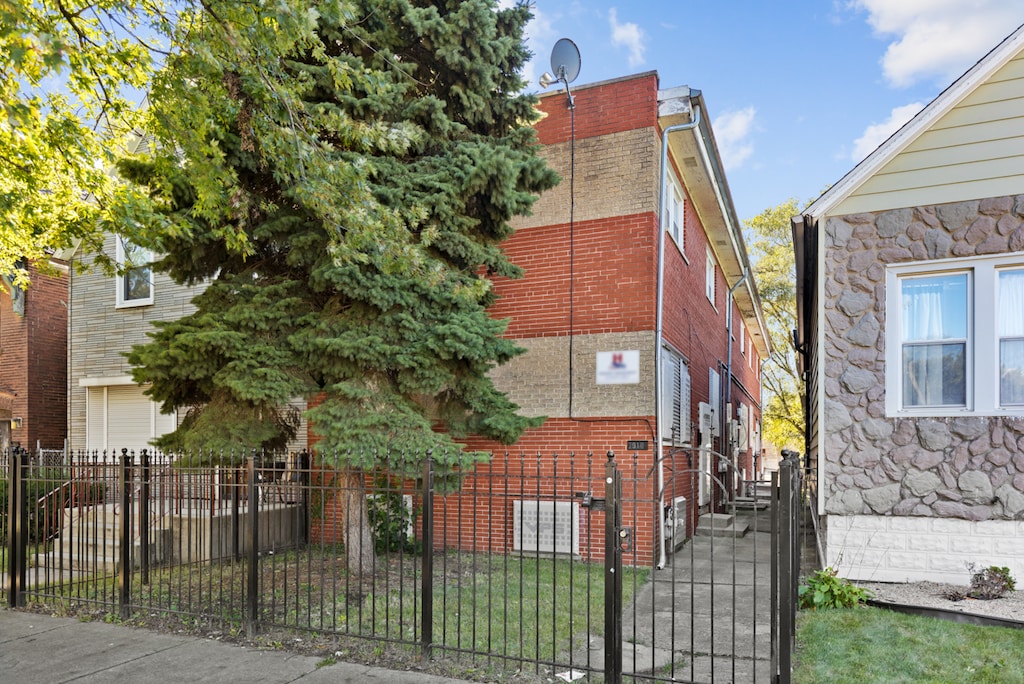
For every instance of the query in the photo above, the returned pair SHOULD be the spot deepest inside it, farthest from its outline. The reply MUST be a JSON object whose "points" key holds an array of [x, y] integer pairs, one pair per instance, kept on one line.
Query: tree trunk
{"points": [[359, 551]]}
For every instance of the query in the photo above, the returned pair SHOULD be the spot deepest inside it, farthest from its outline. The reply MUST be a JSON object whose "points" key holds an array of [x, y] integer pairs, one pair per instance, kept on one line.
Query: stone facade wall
{"points": [[969, 468]]}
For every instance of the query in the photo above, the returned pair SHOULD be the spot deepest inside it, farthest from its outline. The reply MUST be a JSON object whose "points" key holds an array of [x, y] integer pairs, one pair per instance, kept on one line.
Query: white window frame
{"points": [[675, 216], [675, 398], [743, 338], [982, 348], [120, 287], [710, 267]]}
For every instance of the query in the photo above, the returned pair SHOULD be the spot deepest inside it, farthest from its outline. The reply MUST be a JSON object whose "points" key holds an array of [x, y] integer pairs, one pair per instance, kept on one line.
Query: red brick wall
{"points": [[614, 283], [14, 364], [47, 314], [33, 360], [618, 105]]}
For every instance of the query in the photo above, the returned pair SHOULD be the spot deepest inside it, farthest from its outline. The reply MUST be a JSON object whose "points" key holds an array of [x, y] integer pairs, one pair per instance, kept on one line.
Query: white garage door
{"points": [[122, 417]]}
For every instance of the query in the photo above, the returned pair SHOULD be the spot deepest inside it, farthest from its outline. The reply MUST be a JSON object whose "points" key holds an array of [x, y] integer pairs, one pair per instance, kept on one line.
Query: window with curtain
{"points": [[954, 339], [1011, 337], [934, 339]]}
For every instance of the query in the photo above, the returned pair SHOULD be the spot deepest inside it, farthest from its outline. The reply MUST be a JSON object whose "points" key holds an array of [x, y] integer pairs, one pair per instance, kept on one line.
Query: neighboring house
{"points": [[911, 321], [109, 314], [33, 360], [587, 309]]}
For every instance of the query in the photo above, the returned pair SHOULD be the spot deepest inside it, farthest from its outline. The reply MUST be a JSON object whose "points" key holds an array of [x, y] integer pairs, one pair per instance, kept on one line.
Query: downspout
{"points": [[728, 365], [659, 322], [760, 406]]}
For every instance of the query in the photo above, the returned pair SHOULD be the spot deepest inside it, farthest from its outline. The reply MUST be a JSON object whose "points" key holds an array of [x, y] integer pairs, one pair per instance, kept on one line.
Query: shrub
{"points": [[990, 583], [390, 519], [824, 589]]}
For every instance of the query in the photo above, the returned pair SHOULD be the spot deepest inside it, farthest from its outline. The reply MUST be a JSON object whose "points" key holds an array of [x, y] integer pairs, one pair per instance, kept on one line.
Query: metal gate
{"points": [[719, 606]]}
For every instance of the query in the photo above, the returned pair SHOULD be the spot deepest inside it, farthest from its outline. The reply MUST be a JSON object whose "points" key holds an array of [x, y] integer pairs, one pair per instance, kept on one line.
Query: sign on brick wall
{"points": [[618, 367]]}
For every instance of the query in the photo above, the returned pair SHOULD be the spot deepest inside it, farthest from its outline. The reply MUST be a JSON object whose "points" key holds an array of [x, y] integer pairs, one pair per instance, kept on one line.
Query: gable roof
{"points": [[924, 121]]}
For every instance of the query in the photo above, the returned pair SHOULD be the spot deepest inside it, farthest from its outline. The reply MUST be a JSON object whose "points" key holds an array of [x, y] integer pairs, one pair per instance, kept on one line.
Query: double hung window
{"points": [[709, 276], [675, 216], [1011, 337], [933, 324], [135, 274], [955, 337]]}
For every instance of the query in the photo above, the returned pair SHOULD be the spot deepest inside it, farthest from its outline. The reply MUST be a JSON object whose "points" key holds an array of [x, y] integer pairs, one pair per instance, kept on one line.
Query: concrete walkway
{"points": [[707, 615], [47, 650]]}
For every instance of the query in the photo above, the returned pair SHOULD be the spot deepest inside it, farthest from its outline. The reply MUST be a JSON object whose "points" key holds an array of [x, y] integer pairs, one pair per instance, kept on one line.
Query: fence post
{"points": [[144, 517], [236, 496], [17, 532], [612, 574], [427, 562], [125, 576], [776, 563], [303, 483], [252, 599], [787, 596]]}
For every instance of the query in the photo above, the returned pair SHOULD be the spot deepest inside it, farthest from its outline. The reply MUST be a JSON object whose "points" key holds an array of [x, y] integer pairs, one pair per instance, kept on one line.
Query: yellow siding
{"points": [[975, 151]]}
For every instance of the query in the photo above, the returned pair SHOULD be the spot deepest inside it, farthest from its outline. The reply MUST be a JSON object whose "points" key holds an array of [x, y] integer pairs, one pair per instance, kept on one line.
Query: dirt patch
{"points": [[935, 595]]}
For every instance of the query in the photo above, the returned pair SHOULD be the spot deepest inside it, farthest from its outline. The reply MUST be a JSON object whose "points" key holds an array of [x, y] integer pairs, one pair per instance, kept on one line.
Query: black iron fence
{"points": [[547, 564]]}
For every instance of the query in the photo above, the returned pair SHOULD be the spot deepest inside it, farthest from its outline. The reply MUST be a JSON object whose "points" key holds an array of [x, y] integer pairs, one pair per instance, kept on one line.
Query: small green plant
{"points": [[825, 589], [390, 518], [329, 660], [990, 583]]}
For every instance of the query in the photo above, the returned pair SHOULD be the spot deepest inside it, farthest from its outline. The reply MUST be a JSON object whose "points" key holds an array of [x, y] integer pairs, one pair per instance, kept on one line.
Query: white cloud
{"points": [[732, 133], [629, 35], [938, 39], [878, 133]]}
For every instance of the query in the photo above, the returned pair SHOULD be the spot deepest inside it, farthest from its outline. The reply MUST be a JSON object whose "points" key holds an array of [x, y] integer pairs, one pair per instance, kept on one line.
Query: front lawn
{"points": [[866, 645]]}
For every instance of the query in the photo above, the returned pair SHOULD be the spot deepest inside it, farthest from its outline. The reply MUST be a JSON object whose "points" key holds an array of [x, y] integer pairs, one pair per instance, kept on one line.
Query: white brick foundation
{"points": [[910, 549]]}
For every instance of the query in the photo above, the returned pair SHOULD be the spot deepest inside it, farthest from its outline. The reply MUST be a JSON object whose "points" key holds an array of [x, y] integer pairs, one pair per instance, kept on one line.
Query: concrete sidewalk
{"points": [[41, 649]]}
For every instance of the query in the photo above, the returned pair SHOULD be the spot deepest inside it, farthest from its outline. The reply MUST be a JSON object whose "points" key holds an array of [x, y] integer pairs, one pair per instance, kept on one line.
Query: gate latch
{"points": [[588, 500], [625, 539]]}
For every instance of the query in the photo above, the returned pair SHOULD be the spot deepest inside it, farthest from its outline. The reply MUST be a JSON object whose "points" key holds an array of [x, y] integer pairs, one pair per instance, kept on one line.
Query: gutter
{"points": [[695, 110], [709, 153], [728, 367]]}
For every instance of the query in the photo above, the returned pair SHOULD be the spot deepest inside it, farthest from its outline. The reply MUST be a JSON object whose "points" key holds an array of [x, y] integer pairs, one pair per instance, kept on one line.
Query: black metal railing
{"points": [[534, 563]]}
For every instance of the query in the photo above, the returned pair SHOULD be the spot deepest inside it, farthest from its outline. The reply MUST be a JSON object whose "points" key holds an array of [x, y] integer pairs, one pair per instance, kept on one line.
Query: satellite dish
{"points": [[565, 60]]}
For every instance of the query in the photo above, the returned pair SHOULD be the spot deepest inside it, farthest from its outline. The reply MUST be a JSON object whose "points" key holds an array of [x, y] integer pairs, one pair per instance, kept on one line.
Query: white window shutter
{"points": [[684, 402], [667, 382], [714, 386], [744, 434]]}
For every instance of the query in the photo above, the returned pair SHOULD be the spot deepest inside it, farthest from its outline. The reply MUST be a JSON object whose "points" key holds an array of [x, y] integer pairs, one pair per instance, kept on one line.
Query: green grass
{"points": [[507, 606], [867, 645]]}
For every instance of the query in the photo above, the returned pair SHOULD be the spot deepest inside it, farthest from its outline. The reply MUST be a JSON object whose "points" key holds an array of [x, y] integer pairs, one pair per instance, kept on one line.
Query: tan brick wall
{"points": [[537, 382], [616, 175]]}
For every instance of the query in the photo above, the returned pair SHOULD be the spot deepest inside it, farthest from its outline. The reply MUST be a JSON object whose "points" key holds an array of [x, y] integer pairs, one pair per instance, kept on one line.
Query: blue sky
{"points": [[798, 91]]}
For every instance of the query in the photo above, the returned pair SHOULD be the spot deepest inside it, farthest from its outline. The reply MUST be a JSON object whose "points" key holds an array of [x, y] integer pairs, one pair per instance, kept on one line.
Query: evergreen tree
{"points": [[342, 174]]}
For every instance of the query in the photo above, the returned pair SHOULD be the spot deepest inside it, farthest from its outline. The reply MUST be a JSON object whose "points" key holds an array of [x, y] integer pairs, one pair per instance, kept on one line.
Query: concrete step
{"points": [[721, 525], [749, 503], [93, 552]]}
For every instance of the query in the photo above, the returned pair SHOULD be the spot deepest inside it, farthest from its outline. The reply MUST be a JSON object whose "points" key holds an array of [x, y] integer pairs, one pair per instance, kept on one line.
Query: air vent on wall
{"points": [[546, 526]]}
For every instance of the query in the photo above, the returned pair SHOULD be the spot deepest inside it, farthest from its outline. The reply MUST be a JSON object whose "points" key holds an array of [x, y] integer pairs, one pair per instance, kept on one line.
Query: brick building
{"points": [[587, 309], [33, 360]]}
